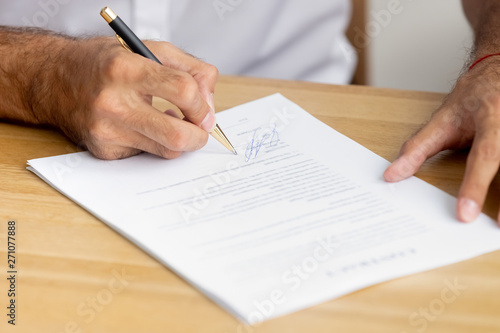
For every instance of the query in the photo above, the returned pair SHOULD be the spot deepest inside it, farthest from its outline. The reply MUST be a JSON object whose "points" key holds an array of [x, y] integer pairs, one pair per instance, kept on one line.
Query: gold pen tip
{"points": [[108, 14], [221, 137]]}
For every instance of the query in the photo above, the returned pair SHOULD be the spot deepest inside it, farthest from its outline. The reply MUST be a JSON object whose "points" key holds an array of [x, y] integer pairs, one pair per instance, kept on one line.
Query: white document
{"points": [[302, 215]]}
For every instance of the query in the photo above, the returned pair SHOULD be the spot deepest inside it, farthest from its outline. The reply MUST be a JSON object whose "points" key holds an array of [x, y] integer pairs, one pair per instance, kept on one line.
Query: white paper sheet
{"points": [[300, 216]]}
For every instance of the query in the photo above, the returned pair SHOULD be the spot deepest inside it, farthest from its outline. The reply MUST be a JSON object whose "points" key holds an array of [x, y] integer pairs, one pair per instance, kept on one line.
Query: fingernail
{"points": [[468, 210], [208, 124]]}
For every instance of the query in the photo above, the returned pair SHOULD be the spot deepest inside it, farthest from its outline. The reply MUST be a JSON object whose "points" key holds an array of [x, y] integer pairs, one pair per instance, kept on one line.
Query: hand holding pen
{"points": [[100, 95], [122, 121], [132, 43]]}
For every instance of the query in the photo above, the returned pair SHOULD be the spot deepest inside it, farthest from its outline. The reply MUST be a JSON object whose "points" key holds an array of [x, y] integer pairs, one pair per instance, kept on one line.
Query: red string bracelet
{"points": [[483, 58]]}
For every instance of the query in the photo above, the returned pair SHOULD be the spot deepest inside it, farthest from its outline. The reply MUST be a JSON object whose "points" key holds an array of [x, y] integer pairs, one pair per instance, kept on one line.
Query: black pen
{"points": [[131, 42]]}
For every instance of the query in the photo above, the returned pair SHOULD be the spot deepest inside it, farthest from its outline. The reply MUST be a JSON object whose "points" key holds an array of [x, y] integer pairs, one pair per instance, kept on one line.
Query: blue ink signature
{"points": [[255, 144]]}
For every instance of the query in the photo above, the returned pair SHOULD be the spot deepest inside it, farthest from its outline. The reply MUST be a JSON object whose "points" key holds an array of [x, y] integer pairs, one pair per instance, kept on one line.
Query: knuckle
{"points": [[417, 158], [168, 153], [103, 154], [173, 154], [113, 66], [475, 186], [119, 67], [178, 140], [111, 104], [186, 87], [159, 47], [106, 153], [488, 150], [211, 71], [201, 143], [100, 132], [414, 151], [104, 102], [489, 109], [494, 101], [410, 145]]}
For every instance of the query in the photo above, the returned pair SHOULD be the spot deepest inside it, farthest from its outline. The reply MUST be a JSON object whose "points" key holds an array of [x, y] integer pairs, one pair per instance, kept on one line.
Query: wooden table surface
{"points": [[75, 274]]}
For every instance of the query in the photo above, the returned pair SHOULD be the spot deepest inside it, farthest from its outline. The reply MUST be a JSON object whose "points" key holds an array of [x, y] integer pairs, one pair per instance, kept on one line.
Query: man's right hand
{"points": [[100, 95]]}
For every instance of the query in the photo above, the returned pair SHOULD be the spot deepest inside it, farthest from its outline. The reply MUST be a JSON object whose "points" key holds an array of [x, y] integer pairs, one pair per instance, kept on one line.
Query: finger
{"points": [[143, 143], [482, 165], [427, 142], [111, 151], [205, 75], [171, 132], [121, 142], [169, 55], [152, 79], [181, 89]]}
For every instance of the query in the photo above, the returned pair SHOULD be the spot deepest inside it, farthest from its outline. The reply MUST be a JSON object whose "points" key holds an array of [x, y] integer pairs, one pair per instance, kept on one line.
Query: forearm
{"points": [[27, 58], [484, 17], [36, 68]]}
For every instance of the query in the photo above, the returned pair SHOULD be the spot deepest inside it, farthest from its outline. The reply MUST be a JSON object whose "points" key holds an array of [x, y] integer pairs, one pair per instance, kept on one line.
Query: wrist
{"points": [[28, 55], [67, 81], [478, 60], [43, 96], [76, 80]]}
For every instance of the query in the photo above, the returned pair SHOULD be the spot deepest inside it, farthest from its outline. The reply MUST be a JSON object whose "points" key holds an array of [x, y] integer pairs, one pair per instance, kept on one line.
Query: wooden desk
{"points": [[66, 257]]}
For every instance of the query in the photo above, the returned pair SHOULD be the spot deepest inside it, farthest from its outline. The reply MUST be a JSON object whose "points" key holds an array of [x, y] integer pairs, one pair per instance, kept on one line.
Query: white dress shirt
{"points": [[285, 39]]}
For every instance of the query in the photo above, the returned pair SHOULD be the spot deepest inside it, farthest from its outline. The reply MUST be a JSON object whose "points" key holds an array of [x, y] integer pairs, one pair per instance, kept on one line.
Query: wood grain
{"points": [[67, 258]]}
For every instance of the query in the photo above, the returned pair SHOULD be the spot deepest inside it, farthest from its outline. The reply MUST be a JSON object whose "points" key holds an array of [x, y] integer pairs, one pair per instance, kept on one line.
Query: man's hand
{"points": [[470, 116], [100, 95]]}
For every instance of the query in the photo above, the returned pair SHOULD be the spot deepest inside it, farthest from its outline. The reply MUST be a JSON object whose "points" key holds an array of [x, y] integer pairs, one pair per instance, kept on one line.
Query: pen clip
{"points": [[125, 46]]}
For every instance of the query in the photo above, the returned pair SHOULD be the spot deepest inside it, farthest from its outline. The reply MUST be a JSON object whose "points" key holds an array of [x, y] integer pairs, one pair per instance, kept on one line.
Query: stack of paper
{"points": [[300, 216]]}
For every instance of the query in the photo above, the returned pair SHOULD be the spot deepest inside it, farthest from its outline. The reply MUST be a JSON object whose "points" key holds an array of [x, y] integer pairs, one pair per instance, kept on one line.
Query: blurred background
{"points": [[428, 41], [404, 44]]}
